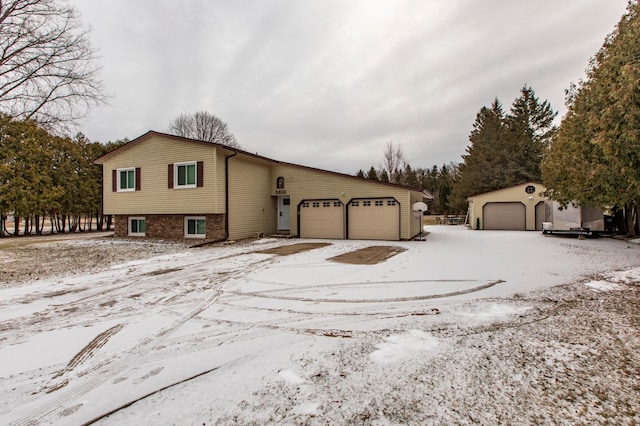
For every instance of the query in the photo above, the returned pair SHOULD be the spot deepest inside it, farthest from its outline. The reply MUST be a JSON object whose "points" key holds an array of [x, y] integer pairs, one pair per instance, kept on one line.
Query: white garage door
{"points": [[322, 219], [504, 216], [374, 219]]}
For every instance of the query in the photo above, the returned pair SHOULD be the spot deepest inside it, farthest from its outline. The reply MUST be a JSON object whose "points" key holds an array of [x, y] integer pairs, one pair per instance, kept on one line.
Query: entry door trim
{"points": [[284, 213]]}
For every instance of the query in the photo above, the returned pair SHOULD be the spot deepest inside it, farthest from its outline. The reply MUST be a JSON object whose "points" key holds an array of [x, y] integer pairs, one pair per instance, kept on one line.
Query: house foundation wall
{"points": [[171, 227]]}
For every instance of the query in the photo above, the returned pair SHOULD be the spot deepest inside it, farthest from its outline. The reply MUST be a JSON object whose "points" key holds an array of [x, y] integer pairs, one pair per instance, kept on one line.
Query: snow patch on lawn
{"points": [[290, 377], [495, 311], [603, 286], [401, 347], [628, 276], [307, 408]]}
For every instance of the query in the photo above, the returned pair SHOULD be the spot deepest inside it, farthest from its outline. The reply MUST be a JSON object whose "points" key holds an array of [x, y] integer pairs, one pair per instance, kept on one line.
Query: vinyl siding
{"points": [[152, 157], [415, 224], [512, 194], [302, 183], [252, 209]]}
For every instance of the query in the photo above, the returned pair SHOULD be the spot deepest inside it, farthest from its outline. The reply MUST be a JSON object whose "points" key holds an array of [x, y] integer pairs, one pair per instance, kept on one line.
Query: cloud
{"points": [[329, 83]]}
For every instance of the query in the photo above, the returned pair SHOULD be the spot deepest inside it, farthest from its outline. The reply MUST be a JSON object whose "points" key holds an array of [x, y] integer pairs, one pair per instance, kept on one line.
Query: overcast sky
{"points": [[328, 83]]}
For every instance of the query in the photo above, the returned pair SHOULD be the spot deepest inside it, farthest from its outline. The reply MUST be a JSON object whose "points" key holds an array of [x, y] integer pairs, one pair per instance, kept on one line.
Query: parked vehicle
{"points": [[572, 219]]}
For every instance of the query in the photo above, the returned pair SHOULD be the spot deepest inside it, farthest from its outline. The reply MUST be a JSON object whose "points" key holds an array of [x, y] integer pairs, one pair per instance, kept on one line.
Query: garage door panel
{"points": [[504, 216], [374, 219], [322, 219]]}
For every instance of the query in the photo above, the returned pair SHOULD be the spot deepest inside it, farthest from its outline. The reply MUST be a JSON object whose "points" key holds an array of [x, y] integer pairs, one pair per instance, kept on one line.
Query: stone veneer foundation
{"points": [[171, 226]]}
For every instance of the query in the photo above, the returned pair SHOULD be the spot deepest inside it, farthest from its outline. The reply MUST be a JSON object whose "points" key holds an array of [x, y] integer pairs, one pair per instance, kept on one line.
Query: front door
{"points": [[284, 213]]}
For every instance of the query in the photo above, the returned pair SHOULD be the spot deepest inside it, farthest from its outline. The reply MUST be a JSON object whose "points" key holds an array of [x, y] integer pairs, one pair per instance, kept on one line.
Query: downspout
{"points": [[226, 194]]}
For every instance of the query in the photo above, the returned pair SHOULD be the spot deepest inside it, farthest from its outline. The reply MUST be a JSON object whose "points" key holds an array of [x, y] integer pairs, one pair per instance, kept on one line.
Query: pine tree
{"points": [[372, 174], [505, 150], [595, 157], [529, 127], [485, 164]]}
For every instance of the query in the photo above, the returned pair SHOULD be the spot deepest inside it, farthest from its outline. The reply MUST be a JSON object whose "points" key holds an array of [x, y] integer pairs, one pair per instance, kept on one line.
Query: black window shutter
{"points": [[170, 174], [114, 180], [137, 178], [200, 174]]}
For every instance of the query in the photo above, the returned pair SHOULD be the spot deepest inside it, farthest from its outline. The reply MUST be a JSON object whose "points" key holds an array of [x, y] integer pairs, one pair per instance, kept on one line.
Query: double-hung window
{"points": [[126, 179], [185, 174], [188, 174], [195, 227]]}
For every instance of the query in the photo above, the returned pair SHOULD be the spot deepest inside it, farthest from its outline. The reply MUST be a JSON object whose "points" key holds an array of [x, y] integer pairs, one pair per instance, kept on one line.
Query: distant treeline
{"points": [[49, 180]]}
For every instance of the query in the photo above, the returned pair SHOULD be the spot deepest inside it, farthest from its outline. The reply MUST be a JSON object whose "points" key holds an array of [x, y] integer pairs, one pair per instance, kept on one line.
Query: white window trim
{"points": [[186, 227], [126, 169], [136, 234], [175, 175]]}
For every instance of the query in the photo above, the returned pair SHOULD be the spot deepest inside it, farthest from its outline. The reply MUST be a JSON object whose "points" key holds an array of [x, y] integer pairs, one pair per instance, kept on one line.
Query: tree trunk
{"points": [[2, 225], [636, 218], [16, 226], [73, 223], [28, 225], [36, 219], [99, 221], [109, 219], [629, 214]]}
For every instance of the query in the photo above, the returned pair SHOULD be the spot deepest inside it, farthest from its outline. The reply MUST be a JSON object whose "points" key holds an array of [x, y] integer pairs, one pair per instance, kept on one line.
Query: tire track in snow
{"points": [[268, 294], [98, 373]]}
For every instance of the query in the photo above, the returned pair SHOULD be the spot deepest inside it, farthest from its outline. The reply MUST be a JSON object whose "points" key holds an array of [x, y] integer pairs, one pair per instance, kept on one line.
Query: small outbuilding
{"points": [[518, 208]]}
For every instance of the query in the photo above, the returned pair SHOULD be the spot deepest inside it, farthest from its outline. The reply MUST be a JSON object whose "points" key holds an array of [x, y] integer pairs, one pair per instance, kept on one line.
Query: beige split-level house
{"points": [[165, 186]]}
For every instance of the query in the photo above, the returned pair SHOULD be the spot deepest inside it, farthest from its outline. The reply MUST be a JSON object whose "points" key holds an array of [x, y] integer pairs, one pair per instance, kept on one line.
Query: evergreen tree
{"points": [[485, 164], [595, 157], [410, 177], [529, 127], [372, 174], [505, 150]]}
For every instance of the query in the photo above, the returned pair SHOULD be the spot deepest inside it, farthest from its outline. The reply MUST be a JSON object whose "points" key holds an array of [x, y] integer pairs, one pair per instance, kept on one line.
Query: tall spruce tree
{"points": [[529, 128], [505, 150], [595, 157], [486, 161]]}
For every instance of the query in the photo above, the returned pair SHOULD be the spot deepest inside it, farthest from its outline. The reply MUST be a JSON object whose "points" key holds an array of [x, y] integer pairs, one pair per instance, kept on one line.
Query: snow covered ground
{"points": [[464, 328]]}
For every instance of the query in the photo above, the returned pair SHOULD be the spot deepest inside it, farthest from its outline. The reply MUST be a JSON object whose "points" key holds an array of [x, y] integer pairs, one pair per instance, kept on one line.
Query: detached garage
{"points": [[516, 208], [510, 216]]}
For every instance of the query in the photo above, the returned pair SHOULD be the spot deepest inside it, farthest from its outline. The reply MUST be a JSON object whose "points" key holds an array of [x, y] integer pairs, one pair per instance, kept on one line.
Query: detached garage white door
{"points": [[373, 219], [504, 216], [322, 219]]}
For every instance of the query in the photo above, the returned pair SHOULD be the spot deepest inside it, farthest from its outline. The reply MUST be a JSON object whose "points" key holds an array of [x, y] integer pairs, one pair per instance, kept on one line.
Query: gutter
{"points": [[226, 194]]}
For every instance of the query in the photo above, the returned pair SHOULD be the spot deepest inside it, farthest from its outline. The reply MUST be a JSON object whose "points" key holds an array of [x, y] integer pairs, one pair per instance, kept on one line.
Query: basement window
{"points": [[195, 227], [137, 227]]}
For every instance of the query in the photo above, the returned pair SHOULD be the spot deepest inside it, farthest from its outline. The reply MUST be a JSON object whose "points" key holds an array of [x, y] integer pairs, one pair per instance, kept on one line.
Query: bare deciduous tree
{"points": [[394, 162], [48, 68], [203, 126]]}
